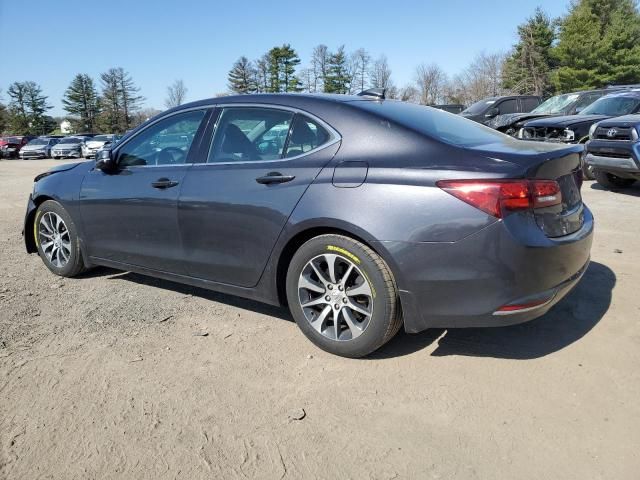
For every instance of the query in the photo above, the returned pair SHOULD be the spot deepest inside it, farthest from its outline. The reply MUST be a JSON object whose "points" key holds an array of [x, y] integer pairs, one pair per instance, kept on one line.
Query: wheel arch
{"points": [[29, 233], [306, 234]]}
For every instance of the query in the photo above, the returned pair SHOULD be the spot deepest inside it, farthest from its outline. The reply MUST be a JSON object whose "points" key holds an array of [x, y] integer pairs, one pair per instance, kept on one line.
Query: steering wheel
{"points": [[170, 156]]}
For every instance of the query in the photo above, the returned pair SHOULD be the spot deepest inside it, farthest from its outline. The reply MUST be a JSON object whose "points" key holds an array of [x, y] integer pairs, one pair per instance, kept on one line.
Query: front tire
{"points": [[611, 181], [56, 237], [343, 296]]}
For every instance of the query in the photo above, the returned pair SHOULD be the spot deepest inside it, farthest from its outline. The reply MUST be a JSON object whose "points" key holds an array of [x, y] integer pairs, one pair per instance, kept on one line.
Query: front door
{"points": [[130, 215], [233, 207]]}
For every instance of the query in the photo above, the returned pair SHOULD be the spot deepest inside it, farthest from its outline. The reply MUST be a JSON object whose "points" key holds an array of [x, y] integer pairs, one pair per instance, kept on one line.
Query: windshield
{"points": [[444, 126], [556, 104], [101, 138], [478, 107], [39, 141], [612, 106], [71, 140]]}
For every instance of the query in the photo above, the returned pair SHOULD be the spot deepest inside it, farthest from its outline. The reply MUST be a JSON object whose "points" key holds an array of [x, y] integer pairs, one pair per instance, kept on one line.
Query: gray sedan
{"points": [[362, 215]]}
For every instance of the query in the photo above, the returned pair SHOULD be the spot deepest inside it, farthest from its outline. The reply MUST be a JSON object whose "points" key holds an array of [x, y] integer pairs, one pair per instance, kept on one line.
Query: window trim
{"points": [[334, 136], [207, 109]]}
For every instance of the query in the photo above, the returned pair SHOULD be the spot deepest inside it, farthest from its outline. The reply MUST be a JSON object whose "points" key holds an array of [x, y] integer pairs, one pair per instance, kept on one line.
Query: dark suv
{"points": [[613, 151], [485, 110], [566, 104]]}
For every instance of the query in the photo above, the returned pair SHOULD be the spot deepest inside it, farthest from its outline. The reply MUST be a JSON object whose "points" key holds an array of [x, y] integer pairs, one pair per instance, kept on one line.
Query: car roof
{"points": [[634, 93]]}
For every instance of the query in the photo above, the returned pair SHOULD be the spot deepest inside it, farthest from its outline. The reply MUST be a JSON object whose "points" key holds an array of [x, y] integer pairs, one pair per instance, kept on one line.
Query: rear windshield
{"points": [[435, 123]]}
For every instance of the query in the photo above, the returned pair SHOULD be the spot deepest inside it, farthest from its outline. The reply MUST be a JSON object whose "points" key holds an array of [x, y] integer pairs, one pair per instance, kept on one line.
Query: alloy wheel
{"points": [[335, 296], [54, 239]]}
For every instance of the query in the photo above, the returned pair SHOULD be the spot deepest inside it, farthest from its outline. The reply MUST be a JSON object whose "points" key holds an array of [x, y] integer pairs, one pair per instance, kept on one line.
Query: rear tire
{"points": [[609, 180], [57, 240], [350, 309]]}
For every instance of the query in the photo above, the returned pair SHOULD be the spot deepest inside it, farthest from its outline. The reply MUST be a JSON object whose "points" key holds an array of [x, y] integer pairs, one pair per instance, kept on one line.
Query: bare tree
{"points": [[479, 80], [319, 68], [409, 93], [176, 94], [262, 74], [380, 74], [359, 66], [431, 81]]}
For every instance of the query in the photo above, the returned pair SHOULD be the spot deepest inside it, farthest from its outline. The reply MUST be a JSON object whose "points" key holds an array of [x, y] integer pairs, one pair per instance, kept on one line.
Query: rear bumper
{"points": [[464, 283]]}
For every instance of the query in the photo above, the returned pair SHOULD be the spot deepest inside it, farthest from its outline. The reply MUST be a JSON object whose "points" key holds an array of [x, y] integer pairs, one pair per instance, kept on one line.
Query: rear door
{"points": [[233, 207], [130, 215]]}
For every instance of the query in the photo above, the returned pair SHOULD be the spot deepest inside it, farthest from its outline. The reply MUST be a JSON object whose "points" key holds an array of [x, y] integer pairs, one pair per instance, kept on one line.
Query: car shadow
{"points": [[231, 300], [565, 323], [633, 190], [568, 321]]}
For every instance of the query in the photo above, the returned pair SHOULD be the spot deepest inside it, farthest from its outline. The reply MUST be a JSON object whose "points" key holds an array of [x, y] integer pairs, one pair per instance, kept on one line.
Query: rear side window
{"points": [[508, 106], [247, 134], [529, 104], [305, 136]]}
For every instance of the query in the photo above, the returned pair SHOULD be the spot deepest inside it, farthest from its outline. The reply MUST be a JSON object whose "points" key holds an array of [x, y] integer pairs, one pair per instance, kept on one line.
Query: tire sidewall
{"points": [[384, 308], [75, 261]]}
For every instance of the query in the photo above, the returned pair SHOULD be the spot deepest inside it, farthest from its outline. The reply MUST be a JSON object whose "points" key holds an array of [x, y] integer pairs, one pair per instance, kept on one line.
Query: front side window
{"points": [[613, 106], [247, 134], [166, 142], [306, 135]]}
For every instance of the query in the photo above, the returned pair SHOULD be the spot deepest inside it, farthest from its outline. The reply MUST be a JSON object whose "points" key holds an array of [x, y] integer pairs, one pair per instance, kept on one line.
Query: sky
{"points": [[160, 41]]}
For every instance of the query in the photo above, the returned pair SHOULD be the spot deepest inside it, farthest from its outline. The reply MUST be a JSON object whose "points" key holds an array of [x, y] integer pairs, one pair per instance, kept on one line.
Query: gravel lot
{"points": [[110, 376]]}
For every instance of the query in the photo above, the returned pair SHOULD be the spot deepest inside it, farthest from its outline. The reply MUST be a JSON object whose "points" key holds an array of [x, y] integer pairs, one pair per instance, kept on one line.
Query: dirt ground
{"points": [[109, 376]]}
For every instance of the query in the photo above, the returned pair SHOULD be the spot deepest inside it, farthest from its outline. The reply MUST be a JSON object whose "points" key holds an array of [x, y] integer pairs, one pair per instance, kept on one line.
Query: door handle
{"points": [[163, 183], [274, 177]]}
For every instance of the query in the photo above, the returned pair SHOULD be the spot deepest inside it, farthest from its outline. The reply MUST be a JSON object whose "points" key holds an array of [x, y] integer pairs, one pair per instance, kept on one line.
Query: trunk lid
{"points": [[548, 162]]}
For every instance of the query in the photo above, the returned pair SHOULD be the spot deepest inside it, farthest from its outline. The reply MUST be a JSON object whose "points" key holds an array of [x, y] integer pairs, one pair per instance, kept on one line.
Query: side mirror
{"points": [[492, 112], [105, 161]]}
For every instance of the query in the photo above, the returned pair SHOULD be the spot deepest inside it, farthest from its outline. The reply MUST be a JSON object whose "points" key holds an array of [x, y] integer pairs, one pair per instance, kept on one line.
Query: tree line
{"points": [[597, 43]]}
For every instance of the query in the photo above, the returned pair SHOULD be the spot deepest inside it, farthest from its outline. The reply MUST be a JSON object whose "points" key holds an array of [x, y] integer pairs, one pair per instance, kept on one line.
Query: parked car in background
{"points": [[93, 144], [485, 110], [38, 148], [441, 222], [68, 147], [613, 151], [10, 146], [450, 107], [566, 104]]}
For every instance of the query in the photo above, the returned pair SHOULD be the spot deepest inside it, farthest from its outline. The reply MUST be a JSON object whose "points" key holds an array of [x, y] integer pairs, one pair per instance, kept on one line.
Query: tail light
{"points": [[497, 197]]}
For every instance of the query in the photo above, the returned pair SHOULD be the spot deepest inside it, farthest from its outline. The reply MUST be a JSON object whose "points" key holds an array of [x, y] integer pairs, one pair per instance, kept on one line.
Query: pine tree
{"points": [[81, 101], [526, 70], [242, 76], [282, 62], [338, 79], [599, 43], [27, 107], [129, 94], [119, 101]]}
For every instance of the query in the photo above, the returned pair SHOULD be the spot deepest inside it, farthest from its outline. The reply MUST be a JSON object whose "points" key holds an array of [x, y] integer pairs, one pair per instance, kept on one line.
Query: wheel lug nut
{"points": [[344, 300], [340, 287], [330, 287], [327, 298], [337, 306]]}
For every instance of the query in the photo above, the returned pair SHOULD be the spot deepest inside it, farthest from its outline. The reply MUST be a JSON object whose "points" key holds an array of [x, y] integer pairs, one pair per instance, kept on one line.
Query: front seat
{"points": [[236, 142], [300, 136]]}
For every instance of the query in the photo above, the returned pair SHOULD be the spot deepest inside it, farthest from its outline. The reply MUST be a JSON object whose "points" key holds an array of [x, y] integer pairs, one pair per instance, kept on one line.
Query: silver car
{"points": [[68, 147], [38, 148], [92, 145]]}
